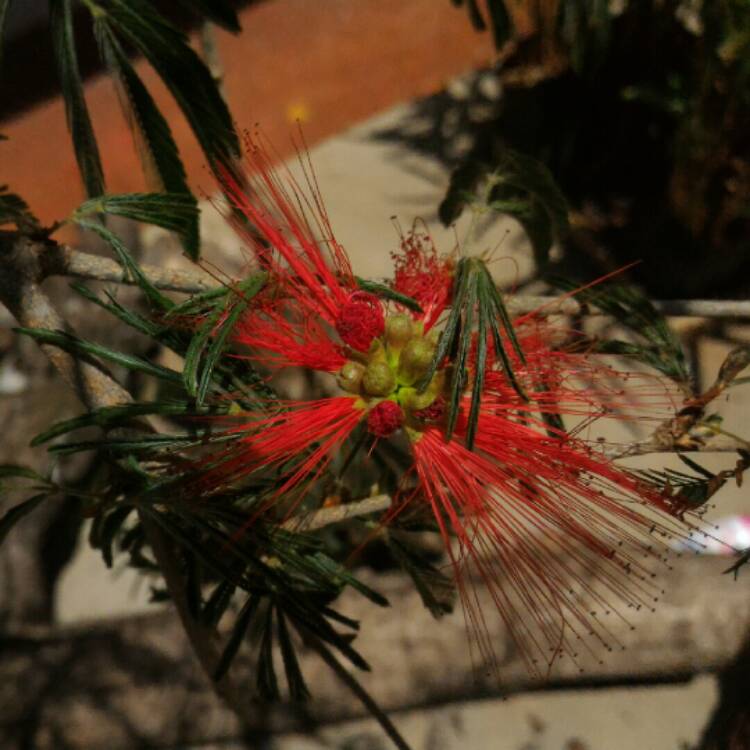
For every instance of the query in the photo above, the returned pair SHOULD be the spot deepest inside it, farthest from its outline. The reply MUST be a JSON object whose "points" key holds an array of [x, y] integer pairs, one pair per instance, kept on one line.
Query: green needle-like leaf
{"points": [[239, 631], [17, 512], [297, 687], [268, 685], [475, 298], [500, 22], [657, 346], [436, 590], [220, 12], [17, 471], [386, 292], [78, 346], [177, 212], [79, 122], [157, 148], [182, 70], [4, 5], [460, 360], [218, 603], [109, 416]]}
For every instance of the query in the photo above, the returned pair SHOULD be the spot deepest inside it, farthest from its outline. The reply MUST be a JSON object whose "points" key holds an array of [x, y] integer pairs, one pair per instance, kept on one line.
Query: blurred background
{"points": [[638, 110]]}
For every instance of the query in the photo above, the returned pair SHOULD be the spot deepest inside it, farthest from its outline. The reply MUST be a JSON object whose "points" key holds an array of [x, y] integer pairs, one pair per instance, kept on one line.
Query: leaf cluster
{"points": [[655, 344], [288, 579], [478, 314], [514, 184], [122, 28], [583, 26]]}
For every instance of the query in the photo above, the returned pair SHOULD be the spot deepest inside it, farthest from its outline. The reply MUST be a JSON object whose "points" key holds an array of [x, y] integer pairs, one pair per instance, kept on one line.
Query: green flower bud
{"points": [[398, 330], [349, 377], [411, 399], [415, 360], [378, 379]]}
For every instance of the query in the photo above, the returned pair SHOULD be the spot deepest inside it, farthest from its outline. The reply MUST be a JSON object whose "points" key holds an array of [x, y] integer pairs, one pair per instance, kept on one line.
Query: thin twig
{"points": [[699, 308], [720, 444], [317, 519], [61, 260]]}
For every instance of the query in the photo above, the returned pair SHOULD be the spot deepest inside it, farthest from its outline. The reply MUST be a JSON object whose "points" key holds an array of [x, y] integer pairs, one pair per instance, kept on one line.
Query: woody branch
{"points": [[55, 259]]}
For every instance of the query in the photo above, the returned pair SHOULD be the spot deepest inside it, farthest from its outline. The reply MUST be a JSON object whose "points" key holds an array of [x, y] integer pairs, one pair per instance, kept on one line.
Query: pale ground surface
{"points": [[364, 184]]}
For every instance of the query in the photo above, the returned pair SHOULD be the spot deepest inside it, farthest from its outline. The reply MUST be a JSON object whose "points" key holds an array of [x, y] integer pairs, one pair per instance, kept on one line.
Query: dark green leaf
{"points": [[268, 686], [181, 69], [306, 617], [436, 590], [209, 342], [217, 603], [135, 320], [127, 261], [4, 5], [220, 12], [21, 472], [104, 532], [386, 292], [157, 148], [475, 297], [75, 345], [79, 122], [237, 636], [662, 350], [247, 290], [514, 184], [500, 22], [113, 415], [297, 687], [17, 512], [339, 575], [177, 212]]}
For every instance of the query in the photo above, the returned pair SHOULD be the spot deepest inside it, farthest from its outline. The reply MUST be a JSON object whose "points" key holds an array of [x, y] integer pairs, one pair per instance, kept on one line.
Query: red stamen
{"points": [[385, 418], [360, 320]]}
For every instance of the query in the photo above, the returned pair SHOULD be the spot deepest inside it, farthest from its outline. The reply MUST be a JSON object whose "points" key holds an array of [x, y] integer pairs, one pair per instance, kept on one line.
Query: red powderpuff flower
{"points": [[536, 513]]}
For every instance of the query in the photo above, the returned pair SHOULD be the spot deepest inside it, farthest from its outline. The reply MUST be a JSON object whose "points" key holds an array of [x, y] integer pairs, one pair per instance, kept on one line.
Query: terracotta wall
{"points": [[329, 63]]}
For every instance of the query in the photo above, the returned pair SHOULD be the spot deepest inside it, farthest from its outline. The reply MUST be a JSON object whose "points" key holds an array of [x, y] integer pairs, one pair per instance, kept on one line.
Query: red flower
{"points": [[507, 510]]}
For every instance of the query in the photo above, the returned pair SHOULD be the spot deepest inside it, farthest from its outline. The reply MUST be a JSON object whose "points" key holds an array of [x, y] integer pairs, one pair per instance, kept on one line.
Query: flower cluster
{"points": [[537, 514]]}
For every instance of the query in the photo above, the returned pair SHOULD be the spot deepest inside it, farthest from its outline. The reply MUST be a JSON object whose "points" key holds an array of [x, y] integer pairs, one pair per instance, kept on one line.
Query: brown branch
{"points": [[317, 519], [699, 308], [719, 444], [21, 275], [61, 260]]}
